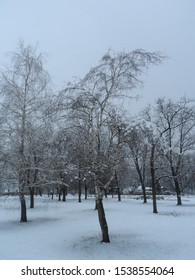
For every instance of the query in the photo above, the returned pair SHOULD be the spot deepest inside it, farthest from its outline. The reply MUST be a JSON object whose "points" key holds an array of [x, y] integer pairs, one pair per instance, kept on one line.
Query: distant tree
{"points": [[175, 121], [139, 152], [143, 140], [153, 173]]}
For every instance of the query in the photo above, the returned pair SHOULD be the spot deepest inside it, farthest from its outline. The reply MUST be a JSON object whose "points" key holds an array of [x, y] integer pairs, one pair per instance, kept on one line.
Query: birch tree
{"points": [[114, 77], [24, 85]]}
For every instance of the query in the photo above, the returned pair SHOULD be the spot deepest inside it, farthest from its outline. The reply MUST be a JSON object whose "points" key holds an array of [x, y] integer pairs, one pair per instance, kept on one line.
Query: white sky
{"points": [[76, 33]]}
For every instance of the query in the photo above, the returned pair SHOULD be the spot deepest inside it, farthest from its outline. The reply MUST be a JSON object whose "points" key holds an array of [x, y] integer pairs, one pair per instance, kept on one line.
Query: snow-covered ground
{"points": [[70, 230]]}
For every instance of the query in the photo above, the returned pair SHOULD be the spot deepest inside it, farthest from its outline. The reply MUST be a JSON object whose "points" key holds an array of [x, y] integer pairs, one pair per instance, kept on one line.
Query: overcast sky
{"points": [[76, 33]]}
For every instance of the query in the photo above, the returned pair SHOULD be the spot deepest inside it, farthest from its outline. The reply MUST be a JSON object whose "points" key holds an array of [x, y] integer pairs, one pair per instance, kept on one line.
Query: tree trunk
{"points": [[23, 217], [112, 192], [154, 198], [40, 191], [118, 188], [85, 190], [179, 202], [102, 221], [63, 193], [142, 180], [32, 204], [59, 195], [144, 194], [100, 208], [79, 186], [105, 193], [177, 187], [178, 192], [23, 208], [153, 180]]}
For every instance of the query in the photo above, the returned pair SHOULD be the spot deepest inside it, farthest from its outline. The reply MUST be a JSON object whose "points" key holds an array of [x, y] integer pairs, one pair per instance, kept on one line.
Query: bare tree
{"points": [[175, 121], [144, 142], [115, 76], [139, 152], [24, 85]]}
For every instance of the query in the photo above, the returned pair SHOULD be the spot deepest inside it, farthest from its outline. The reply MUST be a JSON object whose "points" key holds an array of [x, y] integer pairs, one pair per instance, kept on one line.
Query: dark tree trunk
{"points": [[63, 193], [179, 202], [118, 188], [119, 194], [144, 194], [40, 191], [59, 195], [85, 190], [102, 221], [158, 188], [63, 187], [154, 197], [178, 192], [32, 192], [23, 218], [105, 193], [79, 187], [142, 180], [153, 179], [174, 171]]}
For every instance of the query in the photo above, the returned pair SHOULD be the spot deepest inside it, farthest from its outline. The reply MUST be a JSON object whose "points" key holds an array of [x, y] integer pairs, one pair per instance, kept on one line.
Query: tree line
{"points": [[80, 138]]}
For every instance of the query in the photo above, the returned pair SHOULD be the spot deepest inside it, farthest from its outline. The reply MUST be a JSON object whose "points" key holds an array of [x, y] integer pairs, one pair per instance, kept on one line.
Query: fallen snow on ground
{"points": [[70, 230]]}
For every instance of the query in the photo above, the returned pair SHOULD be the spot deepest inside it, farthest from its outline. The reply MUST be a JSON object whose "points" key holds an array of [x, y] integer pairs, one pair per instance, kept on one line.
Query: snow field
{"points": [[70, 230]]}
